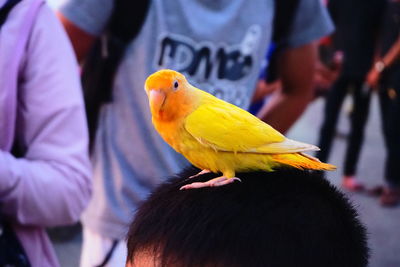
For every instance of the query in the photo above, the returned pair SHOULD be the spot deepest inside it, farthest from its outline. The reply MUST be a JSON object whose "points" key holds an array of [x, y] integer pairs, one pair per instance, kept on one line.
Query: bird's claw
{"points": [[200, 173], [219, 181]]}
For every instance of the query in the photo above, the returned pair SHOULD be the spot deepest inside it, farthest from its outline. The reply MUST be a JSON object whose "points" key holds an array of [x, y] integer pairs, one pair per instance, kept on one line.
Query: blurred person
{"points": [[385, 77], [282, 218], [219, 46], [326, 72], [44, 163], [356, 35]]}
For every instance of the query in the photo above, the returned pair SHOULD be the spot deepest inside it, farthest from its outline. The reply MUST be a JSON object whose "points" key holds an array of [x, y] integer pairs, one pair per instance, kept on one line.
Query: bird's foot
{"points": [[200, 173], [219, 181]]}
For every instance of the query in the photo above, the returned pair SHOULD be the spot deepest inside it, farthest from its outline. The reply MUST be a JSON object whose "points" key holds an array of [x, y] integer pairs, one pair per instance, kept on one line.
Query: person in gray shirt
{"points": [[219, 46]]}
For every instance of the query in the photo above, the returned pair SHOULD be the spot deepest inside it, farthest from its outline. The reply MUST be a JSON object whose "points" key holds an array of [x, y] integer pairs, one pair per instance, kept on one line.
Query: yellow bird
{"points": [[216, 136]]}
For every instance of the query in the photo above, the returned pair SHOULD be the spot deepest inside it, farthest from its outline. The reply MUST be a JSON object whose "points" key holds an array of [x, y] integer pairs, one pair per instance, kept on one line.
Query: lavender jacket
{"points": [[41, 107]]}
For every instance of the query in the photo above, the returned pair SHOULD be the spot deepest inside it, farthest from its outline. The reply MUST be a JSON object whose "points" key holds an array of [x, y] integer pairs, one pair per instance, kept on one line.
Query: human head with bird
{"points": [[284, 218]]}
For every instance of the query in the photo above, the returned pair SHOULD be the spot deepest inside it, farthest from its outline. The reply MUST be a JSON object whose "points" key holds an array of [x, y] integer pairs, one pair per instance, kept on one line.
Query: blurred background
{"points": [[383, 224]]}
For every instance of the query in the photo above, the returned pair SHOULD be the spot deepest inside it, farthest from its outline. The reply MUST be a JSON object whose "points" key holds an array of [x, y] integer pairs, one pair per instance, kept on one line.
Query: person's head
{"points": [[281, 218]]}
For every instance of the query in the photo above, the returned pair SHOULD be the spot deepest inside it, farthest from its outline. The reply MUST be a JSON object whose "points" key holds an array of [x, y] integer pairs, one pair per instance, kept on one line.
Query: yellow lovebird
{"points": [[216, 136]]}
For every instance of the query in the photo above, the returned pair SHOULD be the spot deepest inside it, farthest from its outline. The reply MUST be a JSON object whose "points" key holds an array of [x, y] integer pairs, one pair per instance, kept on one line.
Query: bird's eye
{"points": [[176, 84]]}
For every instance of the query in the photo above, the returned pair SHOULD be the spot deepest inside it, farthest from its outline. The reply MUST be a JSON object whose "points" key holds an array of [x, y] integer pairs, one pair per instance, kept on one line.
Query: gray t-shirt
{"points": [[219, 46]]}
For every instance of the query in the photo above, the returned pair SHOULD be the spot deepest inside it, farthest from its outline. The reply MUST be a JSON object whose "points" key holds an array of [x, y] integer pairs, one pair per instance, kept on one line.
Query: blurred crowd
{"points": [[76, 137]]}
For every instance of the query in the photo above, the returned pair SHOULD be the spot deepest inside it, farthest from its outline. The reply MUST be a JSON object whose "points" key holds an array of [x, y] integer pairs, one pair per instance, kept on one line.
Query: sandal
{"points": [[350, 183], [376, 191], [390, 197]]}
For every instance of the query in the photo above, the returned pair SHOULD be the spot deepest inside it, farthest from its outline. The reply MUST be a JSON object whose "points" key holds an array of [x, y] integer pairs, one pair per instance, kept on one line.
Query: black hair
{"points": [[287, 217]]}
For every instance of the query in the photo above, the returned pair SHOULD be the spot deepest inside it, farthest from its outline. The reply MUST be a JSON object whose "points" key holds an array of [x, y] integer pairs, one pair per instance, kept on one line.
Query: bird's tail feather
{"points": [[302, 161]]}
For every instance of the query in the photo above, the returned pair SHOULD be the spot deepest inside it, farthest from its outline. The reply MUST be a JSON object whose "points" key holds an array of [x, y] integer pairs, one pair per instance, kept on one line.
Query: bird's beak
{"points": [[157, 99]]}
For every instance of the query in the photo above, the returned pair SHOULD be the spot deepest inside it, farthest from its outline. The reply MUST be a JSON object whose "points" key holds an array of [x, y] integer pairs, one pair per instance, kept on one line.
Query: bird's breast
{"points": [[171, 131]]}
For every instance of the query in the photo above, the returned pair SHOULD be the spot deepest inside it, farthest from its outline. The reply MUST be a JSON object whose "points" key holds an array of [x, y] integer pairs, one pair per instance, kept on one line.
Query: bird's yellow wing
{"points": [[226, 127]]}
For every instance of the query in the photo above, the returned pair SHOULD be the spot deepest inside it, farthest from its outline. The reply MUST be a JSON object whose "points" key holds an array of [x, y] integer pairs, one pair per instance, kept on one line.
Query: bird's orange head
{"points": [[169, 94]]}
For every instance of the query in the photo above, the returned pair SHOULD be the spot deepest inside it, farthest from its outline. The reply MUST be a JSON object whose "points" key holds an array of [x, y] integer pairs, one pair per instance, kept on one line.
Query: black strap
{"points": [[11, 251], [101, 65], [285, 13], [5, 10], [109, 254]]}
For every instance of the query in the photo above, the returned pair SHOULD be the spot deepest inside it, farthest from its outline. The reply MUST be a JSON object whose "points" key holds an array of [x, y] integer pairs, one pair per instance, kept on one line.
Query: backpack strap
{"points": [[102, 62], [285, 12], [5, 10]]}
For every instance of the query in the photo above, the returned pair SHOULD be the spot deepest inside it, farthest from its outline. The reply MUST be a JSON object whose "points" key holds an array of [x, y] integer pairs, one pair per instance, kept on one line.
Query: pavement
{"points": [[383, 224]]}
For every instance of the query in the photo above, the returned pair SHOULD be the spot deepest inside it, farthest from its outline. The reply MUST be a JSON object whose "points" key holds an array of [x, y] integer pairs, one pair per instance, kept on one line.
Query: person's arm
{"points": [[296, 69], [264, 89], [327, 73], [84, 21], [297, 64], [385, 62], [80, 39], [51, 184]]}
